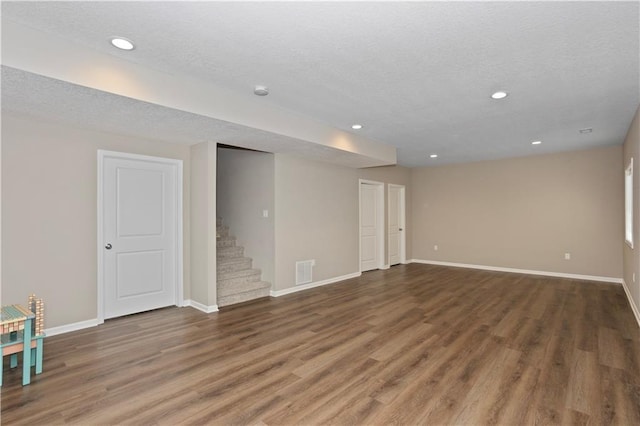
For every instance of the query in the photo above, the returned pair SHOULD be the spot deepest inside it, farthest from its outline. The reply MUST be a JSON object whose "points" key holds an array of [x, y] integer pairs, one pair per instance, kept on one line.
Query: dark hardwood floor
{"points": [[416, 344]]}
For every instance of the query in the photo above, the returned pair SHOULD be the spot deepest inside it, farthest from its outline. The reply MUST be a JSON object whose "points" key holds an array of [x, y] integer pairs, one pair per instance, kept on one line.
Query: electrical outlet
{"points": [[265, 213], [567, 256], [435, 247]]}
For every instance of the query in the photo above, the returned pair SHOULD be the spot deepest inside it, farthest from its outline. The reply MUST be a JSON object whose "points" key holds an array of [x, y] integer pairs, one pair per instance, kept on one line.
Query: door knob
{"points": [[108, 246], [400, 229]]}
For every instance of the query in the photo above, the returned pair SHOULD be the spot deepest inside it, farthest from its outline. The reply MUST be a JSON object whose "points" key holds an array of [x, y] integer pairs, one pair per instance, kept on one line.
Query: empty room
{"points": [[309, 213]]}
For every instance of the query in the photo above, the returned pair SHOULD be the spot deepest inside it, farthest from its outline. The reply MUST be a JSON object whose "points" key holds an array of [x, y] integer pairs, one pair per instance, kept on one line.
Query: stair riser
{"points": [[234, 267], [239, 274], [224, 291], [238, 281], [226, 242], [243, 297], [230, 252]]}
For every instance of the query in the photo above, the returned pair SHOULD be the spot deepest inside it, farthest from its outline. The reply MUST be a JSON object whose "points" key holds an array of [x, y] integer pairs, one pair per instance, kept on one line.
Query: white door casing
{"points": [[396, 229], [371, 225], [139, 233]]}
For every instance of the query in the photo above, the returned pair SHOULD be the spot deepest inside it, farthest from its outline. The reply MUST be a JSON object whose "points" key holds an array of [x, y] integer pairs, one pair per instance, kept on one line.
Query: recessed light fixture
{"points": [[499, 95], [434, 156], [536, 142], [587, 130], [261, 90], [356, 126], [122, 43]]}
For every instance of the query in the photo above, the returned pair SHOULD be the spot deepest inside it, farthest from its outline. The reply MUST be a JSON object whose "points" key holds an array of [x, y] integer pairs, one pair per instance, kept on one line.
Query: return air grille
{"points": [[304, 271]]}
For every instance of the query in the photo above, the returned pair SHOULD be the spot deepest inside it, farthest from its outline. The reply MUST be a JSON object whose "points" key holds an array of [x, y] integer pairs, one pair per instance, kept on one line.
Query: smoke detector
{"points": [[261, 90]]}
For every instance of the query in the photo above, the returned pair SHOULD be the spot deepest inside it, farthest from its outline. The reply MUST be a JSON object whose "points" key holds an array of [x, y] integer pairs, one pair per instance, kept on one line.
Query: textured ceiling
{"points": [[57, 101], [417, 75]]}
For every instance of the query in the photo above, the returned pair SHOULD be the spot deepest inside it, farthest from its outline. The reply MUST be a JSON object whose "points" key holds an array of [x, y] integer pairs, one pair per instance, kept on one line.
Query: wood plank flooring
{"points": [[416, 344]]}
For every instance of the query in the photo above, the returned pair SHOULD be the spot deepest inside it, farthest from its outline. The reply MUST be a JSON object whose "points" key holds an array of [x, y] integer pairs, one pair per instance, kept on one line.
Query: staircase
{"points": [[237, 280]]}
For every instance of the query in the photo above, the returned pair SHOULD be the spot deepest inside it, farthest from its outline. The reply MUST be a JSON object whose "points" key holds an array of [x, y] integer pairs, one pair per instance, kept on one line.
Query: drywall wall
{"points": [[245, 191], [316, 217], [631, 258], [49, 180], [203, 225], [524, 213], [397, 175]]}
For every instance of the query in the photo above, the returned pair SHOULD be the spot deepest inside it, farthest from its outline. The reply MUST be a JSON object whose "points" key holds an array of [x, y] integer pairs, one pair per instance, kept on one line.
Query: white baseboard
{"points": [[67, 328], [522, 271], [634, 308], [71, 327], [383, 267], [277, 293], [199, 306]]}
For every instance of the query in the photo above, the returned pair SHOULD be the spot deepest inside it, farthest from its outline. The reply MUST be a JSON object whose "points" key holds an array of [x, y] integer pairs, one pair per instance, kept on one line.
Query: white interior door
{"points": [[370, 226], [396, 225], [140, 223]]}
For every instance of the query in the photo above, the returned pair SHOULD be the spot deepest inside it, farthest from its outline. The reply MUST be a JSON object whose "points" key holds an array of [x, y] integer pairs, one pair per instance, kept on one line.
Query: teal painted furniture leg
{"points": [[1, 366], [36, 355], [26, 353]]}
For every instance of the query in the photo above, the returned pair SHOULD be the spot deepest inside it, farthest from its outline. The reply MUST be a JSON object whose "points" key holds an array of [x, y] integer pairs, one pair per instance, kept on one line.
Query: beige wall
{"points": [[519, 213], [245, 189], [524, 213], [203, 224], [631, 256], [49, 179], [316, 217], [397, 175]]}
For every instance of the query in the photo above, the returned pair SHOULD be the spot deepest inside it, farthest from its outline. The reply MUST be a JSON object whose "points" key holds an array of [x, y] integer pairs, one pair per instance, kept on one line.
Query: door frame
{"points": [[402, 219], [178, 174], [380, 225]]}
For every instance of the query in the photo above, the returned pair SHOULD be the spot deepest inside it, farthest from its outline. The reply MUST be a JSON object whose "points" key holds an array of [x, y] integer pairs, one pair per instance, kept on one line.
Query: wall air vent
{"points": [[304, 271]]}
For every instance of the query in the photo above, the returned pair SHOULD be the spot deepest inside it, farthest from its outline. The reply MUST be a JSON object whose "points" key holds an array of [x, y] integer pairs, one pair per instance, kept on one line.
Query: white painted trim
{"points": [[102, 154], [380, 225], [634, 308], [100, 235], [179, 234], [201, 307], [522, 271], [278, 293], [67, 328], [385, 266]]}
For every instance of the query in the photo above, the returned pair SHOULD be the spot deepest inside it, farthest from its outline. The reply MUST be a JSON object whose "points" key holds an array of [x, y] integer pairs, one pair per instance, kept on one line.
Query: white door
{"points": [[370, 242], [396, 224], [140, 221]]}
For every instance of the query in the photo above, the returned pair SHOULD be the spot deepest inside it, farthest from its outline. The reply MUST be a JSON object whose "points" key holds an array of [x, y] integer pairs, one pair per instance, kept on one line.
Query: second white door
{"points": [[396, 225]]}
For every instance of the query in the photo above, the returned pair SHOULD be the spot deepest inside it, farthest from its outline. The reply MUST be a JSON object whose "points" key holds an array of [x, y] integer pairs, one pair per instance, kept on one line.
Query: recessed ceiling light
{"points": [[122, 43], [536, 142], [587, 130], [356, 126], [261, 90], [499, 95], [434, 156]]}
